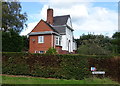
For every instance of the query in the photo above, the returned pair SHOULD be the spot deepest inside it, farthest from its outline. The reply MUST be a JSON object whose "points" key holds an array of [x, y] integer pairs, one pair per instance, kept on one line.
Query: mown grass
{"points": [[37, 80]]}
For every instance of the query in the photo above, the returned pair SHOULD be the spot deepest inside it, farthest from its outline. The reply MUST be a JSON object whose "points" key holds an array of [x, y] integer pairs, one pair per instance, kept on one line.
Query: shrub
{"points": [[51, 51]]}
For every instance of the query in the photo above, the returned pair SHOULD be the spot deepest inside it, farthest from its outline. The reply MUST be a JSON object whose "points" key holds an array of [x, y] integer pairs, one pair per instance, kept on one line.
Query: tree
{"points": [[11, 41], [116, 42], [94, 45], [77, 42], [25, 43], [13, 21], [12, 18], [90, 47]]}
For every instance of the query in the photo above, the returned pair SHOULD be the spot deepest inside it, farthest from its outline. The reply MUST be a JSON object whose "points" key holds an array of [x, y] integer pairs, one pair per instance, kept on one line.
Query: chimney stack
{"points": [[50, 16]]}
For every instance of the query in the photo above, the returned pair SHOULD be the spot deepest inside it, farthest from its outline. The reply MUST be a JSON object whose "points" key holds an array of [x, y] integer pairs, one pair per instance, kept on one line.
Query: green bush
{"points": [[51, 51]]}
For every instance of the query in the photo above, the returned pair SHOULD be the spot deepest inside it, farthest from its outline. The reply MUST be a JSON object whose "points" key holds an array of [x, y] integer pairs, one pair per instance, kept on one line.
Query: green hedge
{"points": [[59, 66], [14, 63]]}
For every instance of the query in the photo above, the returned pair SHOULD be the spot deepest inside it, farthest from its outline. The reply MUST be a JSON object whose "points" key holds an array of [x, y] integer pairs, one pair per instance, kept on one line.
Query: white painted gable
{"points": [[69, 23], [67, 40]]}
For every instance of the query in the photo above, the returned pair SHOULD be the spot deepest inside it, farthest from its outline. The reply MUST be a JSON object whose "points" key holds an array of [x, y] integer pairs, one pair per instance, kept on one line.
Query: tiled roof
{"points": [[60, 20], [60, 29], [60, 23]]}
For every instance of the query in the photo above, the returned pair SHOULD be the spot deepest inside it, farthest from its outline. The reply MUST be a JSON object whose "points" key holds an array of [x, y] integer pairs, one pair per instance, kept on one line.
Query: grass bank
{"points": [[38, 80]]}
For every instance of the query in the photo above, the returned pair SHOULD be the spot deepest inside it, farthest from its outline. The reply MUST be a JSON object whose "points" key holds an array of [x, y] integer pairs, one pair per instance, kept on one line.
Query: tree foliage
{"points": [[116, 42], [13, 21], [12, 18], [25, 43], [13, 42], [94, 45]]}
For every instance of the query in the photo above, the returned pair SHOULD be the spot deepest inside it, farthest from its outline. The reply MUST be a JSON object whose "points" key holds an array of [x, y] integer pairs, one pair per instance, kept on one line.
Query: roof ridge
{"points": [[62, 16]]}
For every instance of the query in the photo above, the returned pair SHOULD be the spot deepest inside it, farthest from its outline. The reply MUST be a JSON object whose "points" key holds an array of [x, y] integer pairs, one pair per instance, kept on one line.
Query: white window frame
{"points": [[35, 51], [57, 40], [40, 39]]}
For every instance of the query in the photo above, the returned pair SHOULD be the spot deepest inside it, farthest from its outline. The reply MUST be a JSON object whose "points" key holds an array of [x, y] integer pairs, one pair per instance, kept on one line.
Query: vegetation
{"points": [[98, 44], [13, 21], [51, 51], [116, 42], [13, 42], [37, 80], [12, 18], [96, 50], [25, 43], [59, 66]]}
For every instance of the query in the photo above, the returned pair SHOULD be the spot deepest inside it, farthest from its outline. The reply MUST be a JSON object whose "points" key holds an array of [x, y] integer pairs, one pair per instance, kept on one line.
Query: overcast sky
{"points": [[87, 17]]}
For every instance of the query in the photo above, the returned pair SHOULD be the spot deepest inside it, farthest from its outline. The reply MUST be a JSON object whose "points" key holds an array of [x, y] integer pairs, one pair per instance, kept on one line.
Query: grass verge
{"points": [[38, 80]]}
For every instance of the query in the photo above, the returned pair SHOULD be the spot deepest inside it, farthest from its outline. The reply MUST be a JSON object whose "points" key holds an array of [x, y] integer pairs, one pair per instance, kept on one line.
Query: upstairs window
{"points": [[40, 39]]}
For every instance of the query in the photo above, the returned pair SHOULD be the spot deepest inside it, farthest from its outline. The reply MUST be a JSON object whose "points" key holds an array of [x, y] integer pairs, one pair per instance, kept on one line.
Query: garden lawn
{"points": [[37, 80]]}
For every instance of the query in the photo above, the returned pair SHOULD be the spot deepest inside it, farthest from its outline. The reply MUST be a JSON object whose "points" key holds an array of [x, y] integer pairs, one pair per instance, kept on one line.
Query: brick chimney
{"points": [[50, 16]]}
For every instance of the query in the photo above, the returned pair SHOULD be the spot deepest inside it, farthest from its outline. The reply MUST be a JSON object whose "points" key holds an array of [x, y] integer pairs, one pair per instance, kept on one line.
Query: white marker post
{"points": [[98, 72]]}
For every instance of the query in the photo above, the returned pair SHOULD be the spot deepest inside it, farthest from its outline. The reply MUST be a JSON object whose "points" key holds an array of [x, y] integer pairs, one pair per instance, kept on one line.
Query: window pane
{"points": [[57, 40], [41, 52], [40, 39]]}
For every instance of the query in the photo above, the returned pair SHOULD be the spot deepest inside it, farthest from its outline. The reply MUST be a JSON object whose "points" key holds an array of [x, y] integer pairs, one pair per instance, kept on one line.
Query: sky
{"points": [[87, 17]]}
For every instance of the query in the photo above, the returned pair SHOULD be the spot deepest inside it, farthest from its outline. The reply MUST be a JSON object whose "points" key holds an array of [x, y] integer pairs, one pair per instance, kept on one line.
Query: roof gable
{"points": [[43, 26]]}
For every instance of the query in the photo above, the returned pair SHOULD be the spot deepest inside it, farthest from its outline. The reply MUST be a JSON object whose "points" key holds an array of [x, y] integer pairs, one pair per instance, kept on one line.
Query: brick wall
{"points": [[41, 27], [48, 39], [35, 46], [59, 49]]}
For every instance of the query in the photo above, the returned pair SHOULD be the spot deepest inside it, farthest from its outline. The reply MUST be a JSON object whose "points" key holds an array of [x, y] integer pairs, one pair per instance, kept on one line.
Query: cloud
{"points": [[85, 16], [99, 20]]}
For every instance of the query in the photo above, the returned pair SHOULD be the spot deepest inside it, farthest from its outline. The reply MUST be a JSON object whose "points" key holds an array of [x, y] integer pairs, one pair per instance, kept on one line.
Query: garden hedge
{"points": [[59, 66]]}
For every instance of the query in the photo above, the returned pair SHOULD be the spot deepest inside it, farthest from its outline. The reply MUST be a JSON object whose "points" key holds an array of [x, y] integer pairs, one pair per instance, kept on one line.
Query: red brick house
{"points": [[56, 32]]}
